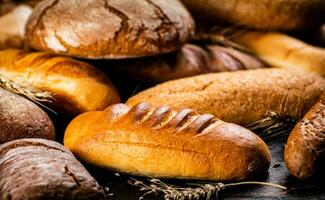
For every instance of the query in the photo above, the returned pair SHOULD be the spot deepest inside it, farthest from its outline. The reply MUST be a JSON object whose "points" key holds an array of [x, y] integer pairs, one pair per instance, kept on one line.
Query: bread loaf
{"points": [[37, 169], [241, 97], [20, 118], [305, 149], [109, 28], [12, 27], [261, 14], [189, 61], [160, 142], [280, 50], [76, 86]]}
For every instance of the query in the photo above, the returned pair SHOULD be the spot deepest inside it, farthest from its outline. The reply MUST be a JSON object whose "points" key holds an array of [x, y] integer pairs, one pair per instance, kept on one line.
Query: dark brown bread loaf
{"points": [[21, 118], [189, 61], [37, 169], [109, 28], [161, 142], [305, 149]]}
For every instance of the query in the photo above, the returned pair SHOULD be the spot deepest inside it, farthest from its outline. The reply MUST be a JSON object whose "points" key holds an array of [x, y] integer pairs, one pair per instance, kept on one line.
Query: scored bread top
{"points": [[145, 139]]}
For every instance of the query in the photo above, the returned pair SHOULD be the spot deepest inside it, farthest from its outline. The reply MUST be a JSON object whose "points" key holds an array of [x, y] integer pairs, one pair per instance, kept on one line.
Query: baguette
{"points": [[122, 28], [242, 97], [160, 142], [37, 169], [280, 50], [189, 61], [12, 27], [21, 118], [261, 14], [305, 149], [76, 86]]}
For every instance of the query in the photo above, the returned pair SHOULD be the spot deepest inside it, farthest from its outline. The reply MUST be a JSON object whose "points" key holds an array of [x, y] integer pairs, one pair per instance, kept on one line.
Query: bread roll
{"points": [[109, 28], [280, 50], [21, 118], [76, 86], [160, 142], [305, 149], [37, 169], [242, 97], [12, 27], [261, 14], [189, 61]]}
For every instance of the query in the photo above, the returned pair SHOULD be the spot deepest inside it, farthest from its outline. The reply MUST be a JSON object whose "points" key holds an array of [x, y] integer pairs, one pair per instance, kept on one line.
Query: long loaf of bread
{"points": [[161, 142], [76, 86], [242, 97], [281, 50]]}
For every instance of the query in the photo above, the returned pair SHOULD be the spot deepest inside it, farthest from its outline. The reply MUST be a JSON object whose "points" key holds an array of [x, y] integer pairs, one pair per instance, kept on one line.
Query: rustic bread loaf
{"points": [[37, 169], [21, 118], [160, 142], [12, 27], [109, 28], [261, 14], [305, 149], [76, 86], [280, 50], [189, 61], [241, 97]]}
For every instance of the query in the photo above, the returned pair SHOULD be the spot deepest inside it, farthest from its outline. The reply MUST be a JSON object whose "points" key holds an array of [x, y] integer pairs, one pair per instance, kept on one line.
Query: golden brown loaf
{"points": [[12, 27], [305, 149], [109, 28], [261, 14], [189, 61], [241, 97], [280, 50], [76, 86], [160, 142], [21, 118]]}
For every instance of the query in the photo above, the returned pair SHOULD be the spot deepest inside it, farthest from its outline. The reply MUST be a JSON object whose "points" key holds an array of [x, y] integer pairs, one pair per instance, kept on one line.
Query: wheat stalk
{"points": [[201, 191]]}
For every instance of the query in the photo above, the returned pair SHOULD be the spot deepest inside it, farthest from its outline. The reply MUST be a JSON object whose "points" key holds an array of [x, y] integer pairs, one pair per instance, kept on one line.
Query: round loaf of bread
{"points": [[37, 169], [109, 28], [21, 118], [241, 97], [161, 142]]}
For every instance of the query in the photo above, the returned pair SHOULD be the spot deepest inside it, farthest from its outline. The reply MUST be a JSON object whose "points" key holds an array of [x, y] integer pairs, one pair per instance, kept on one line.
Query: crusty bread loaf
{"points": [[280, 50], [109, 28], [189, 61], [37, 169], [76, 86], [261, 14], [12, 27], [241, 97], [161, 142], [305, 152], [21, 118]]}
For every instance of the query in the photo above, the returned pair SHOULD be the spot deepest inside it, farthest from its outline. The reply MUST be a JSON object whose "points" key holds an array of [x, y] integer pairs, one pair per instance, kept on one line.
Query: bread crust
{"points": [[76, 86], [160, 142], [241, 97], [21, 118], [122, 28], [37, 169]]}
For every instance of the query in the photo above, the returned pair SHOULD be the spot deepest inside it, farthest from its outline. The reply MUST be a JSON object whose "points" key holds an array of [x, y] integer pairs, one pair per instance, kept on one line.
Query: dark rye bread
{"points": [[241, 97], [191, 60], [109, 28], [161, 142], [37, 169], [305, 149], [21, 118]]}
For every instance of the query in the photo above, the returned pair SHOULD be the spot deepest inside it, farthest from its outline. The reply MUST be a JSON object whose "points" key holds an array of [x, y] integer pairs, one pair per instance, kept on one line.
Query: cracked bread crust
{"points": [[242, 97], [109, 28], [41, 169], [162, 142]]}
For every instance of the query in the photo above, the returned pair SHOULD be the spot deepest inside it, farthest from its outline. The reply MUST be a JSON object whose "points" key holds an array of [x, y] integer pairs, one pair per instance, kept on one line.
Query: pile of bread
{"points": [[211, 84]]}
